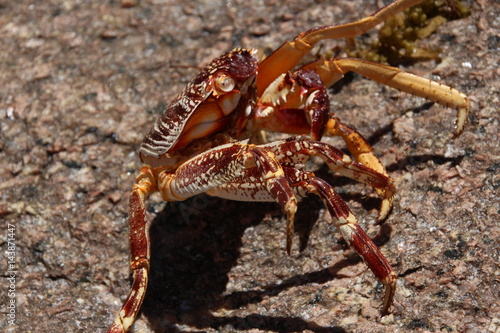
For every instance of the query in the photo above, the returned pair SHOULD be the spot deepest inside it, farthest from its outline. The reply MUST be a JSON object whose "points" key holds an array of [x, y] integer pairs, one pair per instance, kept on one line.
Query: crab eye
{"points": [[224, 82]]}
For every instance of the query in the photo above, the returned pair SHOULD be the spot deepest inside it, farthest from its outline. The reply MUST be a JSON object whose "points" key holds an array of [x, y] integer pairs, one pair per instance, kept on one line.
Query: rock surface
{"points": [[82, 81]]}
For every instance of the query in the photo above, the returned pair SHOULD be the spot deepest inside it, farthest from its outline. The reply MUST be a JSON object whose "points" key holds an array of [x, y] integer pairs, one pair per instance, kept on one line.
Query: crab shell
{"points": [[217, 99]]}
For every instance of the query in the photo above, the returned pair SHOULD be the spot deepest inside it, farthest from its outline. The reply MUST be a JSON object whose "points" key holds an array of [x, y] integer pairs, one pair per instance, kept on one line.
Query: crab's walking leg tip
{"points": [[385, 208], [390, 290], [463, 114]]}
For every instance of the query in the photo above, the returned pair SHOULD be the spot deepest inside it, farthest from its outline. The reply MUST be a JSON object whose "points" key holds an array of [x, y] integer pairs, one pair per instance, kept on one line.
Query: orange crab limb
{"points": [[289, 55], [363, 153], [333, 70]]}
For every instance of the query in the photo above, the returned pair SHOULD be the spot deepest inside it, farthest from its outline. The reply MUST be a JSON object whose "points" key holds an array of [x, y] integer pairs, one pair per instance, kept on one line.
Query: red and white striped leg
{"points": [[294, 152], [297, 150], [356, 237], [139, 250], [223, 164], [305, 183], [247, 187]]}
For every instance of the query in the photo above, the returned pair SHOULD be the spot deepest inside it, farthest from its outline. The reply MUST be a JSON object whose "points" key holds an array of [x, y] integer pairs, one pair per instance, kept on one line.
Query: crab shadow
{"points": [[194, 246]]}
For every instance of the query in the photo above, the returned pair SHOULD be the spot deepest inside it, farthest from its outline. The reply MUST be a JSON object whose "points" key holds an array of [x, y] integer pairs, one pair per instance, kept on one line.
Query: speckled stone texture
{"points": [[82, 81]]}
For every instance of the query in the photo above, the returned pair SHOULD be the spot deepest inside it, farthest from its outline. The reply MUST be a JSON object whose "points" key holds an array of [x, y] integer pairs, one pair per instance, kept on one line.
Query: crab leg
{"points": [[298, 150], [289, 55], [246, 188], [199, 174], [356, 237], [272, 116], [333, 70], [140, 251], [221, 165], [363, 153], [295, 152]]}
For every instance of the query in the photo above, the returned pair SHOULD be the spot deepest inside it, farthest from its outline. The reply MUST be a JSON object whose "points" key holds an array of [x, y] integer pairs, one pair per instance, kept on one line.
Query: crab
{"points": [[209, 140]]}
